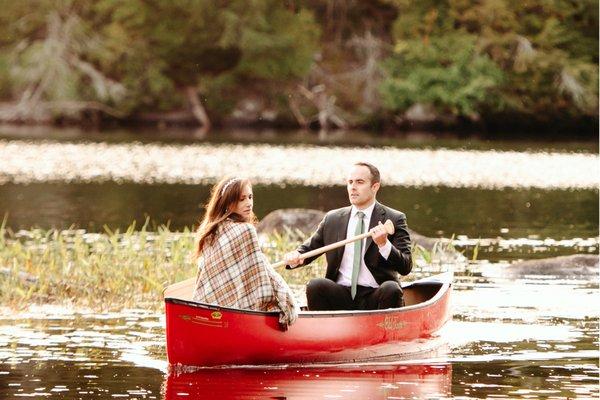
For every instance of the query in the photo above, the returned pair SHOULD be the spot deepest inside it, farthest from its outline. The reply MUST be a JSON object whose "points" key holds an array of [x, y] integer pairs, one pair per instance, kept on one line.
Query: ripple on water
{"points": [[539, 334], [27, 162]]}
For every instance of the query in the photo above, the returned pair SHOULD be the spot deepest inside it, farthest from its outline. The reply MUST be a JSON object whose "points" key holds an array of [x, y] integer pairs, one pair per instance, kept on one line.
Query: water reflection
{"points": [[433, 211], [381, 382], [78, 380], [414, 139], [532, 337]]}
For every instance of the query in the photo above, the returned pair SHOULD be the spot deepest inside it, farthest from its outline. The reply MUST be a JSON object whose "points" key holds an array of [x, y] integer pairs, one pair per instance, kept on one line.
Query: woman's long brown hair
{"points": [[224, 195]]}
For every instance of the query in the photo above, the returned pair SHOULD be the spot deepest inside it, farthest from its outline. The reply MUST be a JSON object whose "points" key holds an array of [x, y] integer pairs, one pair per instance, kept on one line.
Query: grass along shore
{"points": [[116, 270], [107, 271]]}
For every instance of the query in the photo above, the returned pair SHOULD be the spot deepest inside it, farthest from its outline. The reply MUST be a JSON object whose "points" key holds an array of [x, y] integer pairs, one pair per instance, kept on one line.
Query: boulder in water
{"points": [[576, 265], [307, 220], [301, 219]]}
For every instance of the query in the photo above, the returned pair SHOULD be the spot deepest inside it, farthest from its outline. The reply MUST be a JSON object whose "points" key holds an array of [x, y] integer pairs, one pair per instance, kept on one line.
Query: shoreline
{"points": [[492, 127]]}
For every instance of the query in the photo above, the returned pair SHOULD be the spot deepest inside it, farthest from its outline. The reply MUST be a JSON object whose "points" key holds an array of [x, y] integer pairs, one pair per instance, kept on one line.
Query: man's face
{"points": [[360, 190]]}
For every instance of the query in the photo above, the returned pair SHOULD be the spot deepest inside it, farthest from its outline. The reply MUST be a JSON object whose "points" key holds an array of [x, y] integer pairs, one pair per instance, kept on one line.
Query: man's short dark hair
{"points": [[375, 176]]}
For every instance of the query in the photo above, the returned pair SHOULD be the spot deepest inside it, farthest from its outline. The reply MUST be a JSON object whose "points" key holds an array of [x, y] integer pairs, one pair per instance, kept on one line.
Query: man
{"points": [[362, 275]]}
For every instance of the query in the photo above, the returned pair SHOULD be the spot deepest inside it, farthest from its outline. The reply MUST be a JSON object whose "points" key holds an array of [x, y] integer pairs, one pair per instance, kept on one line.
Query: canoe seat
{"points": [[183, 290]]}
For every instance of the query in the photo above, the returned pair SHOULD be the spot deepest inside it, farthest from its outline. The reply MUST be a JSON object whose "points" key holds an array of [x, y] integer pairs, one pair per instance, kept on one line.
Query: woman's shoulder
{"points": [[237, 234], [239, 227]]}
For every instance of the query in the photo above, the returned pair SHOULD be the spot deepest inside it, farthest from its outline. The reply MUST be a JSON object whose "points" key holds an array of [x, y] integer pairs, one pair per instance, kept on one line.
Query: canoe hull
{"points": [[204, 335], [379, 381]]}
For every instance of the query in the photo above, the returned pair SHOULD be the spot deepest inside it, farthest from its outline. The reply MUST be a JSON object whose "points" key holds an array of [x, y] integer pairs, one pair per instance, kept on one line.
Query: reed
{"points": [[108, 270], [117, 269]]}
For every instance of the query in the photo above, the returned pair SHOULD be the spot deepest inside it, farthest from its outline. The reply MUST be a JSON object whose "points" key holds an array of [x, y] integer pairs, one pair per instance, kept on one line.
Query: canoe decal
{"points": [[392, 324], [198, 320], [216, 315]]}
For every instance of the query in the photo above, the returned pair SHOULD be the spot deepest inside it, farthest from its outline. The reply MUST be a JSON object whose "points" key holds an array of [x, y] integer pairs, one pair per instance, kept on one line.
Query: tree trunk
{"points": [[295, 108], [197, 108]]}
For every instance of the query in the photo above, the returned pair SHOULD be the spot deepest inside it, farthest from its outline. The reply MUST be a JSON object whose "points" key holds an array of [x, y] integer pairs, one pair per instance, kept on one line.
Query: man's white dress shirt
{"points": [[365, 278]]}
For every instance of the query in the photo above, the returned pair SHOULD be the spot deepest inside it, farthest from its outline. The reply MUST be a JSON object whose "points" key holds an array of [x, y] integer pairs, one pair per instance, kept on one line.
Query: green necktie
{"points": [[357, 253]]}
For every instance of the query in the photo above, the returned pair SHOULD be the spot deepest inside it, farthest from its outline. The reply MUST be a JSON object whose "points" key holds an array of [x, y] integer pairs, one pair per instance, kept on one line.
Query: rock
{"points": [[307, 220], [423, 241], [421, 113], [251, 111], [302, 219], [576, 265], [426, 117]]}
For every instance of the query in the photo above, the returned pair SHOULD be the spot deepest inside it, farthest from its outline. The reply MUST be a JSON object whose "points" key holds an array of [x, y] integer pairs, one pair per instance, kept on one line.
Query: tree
{"points": [[447, 72], [49, 64], [193, 46], [547, 52], [121, 57]]}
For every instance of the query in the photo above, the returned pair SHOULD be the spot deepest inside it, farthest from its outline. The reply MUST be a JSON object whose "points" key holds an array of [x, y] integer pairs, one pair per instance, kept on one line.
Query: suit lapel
{"points": [[377, 215], [343, 221]]}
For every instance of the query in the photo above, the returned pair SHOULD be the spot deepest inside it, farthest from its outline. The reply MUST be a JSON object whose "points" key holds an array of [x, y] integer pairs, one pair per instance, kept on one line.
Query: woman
{"points": [[232, 270]]}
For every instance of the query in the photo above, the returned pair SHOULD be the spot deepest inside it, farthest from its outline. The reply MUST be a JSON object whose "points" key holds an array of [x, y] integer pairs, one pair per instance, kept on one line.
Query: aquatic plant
{"points": [[106, 270], [115, 270]]}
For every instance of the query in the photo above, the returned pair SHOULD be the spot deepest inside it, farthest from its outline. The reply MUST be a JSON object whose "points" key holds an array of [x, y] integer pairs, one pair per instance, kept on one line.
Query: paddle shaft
{"points": [[324, 249], [389, 226]]}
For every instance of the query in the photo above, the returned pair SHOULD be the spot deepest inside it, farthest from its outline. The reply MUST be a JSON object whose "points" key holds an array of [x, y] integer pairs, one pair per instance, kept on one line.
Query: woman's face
{"points": [[245, 203]]}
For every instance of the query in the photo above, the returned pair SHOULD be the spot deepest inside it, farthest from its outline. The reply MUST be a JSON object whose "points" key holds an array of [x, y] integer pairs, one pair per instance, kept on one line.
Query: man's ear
{"points": [[375, 186]]}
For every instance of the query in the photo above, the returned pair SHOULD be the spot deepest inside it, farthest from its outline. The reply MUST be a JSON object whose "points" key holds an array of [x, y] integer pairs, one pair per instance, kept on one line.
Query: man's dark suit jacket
{"points": [[333, 228]]}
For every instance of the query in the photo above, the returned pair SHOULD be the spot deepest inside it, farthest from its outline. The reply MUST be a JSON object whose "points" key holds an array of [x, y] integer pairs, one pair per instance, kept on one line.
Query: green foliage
{"points": [[138, 55], [49, 52], [535, 58], [273, 36], [447, 73], [544, 56], [209, 44]]}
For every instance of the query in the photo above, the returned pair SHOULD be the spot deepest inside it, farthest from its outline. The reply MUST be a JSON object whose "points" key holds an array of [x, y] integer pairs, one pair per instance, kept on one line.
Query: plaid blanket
{"points": [[234, 272]]}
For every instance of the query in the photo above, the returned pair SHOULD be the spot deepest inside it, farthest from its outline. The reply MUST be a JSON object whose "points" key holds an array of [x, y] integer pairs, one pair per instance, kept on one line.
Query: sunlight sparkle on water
{"points": [[27, 162]]}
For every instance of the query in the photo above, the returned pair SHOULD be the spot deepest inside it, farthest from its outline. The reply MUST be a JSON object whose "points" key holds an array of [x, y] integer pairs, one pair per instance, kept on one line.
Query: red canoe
{"points": [[347, 382], [206, 335]]}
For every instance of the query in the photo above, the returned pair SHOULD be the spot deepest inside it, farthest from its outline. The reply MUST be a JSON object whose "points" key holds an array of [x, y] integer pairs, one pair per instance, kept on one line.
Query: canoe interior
{"points": [[415, 293]]}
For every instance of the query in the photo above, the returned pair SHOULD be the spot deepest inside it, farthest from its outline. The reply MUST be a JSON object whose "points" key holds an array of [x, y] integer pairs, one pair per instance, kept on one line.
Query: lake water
{"points": [[432, 211], [530, 336]]}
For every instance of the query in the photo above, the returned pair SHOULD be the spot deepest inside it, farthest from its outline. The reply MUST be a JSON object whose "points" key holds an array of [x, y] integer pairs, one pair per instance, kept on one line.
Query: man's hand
{"points": [[292, 258], [379, 235]]}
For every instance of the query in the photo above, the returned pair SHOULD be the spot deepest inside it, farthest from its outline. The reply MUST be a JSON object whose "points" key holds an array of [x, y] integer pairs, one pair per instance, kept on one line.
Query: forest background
{"points": [[497, 65]]}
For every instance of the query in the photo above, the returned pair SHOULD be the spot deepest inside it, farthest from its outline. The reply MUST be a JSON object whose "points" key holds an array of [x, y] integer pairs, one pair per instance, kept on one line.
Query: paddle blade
{"points": [[389, 227]]}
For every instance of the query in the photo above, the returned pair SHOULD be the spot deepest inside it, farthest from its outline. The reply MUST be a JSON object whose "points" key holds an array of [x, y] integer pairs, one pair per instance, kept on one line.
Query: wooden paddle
{"points": [[389, 227]]}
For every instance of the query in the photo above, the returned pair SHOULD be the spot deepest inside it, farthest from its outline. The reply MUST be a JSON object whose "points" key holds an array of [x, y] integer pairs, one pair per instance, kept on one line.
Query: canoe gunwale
{"points": [[444, 279]]}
